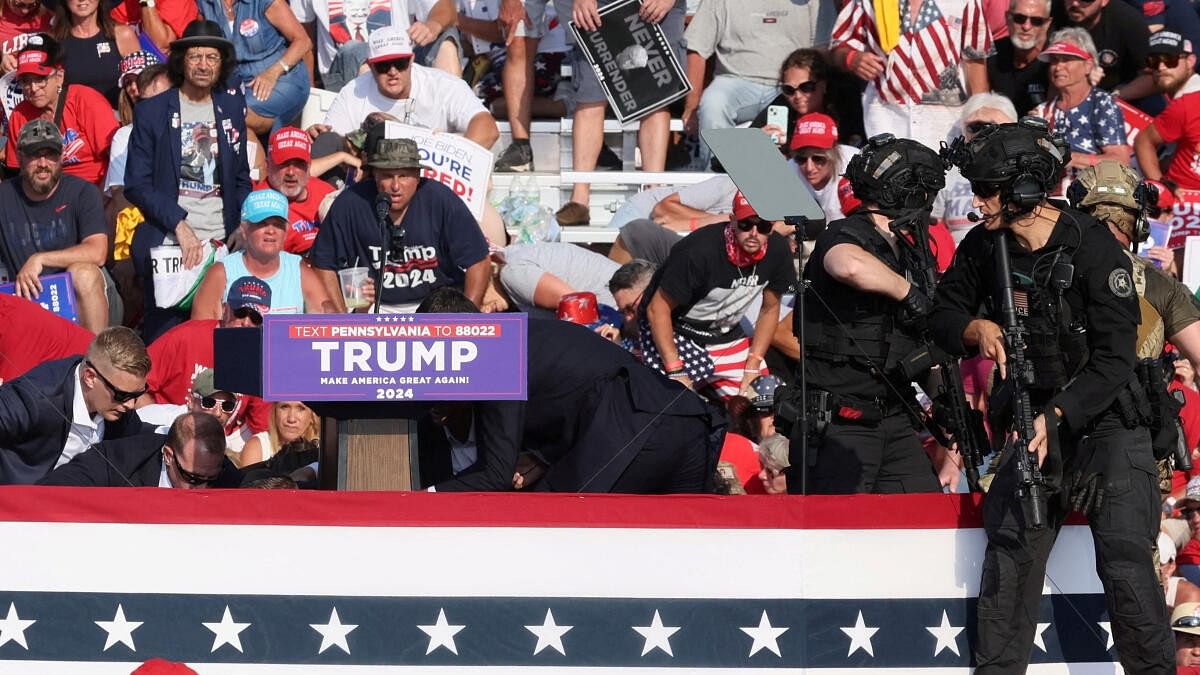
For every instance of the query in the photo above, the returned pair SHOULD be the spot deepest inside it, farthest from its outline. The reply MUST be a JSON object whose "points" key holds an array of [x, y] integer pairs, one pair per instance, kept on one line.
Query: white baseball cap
{"points": [[389, 42]]}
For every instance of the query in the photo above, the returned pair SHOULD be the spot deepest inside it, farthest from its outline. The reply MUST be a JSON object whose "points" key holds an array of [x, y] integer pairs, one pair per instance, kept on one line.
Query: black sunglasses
{"points": [[817, 159], [247, 313], [1186, 622], [1169, 60], [804, 87], [119, 395], [1022, 19], [188, 476], [977, 126], [763, 226], [985, 190], [382, 67], [210, 403]]}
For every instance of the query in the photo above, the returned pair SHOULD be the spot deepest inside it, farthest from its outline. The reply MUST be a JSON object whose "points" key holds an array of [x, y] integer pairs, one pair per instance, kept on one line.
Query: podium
{"points": [[370, 377]]}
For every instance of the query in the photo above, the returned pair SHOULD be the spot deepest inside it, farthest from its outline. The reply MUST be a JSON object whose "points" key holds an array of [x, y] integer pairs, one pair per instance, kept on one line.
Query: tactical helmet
{"points": [[1022, 160], [764, 391], [897, 174], [1113, 184]]}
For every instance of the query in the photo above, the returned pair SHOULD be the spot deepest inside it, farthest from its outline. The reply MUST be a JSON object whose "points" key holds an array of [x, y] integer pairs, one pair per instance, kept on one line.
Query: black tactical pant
{"points": [[884, 458], [1123, 532]]}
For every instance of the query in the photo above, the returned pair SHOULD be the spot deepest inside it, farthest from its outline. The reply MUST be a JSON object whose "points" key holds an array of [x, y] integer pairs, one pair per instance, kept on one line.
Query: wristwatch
{"points": [[282, 64], [146, 3]]}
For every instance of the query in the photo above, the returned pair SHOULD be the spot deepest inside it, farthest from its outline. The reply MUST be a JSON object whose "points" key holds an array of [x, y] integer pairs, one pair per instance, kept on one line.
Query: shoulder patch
{"points": [[1120, 284]]}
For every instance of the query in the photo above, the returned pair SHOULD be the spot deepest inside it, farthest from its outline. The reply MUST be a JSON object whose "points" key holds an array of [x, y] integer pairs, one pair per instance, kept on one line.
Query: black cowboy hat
{"points": [[203, 33]]}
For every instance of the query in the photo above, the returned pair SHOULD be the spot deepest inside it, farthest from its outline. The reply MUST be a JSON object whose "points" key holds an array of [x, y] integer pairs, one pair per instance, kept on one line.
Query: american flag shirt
{"points": [[923, 67], [1094, 123]]}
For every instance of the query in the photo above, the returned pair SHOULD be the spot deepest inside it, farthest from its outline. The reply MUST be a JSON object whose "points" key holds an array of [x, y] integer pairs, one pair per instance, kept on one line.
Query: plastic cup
{"points": [[354, 282]]}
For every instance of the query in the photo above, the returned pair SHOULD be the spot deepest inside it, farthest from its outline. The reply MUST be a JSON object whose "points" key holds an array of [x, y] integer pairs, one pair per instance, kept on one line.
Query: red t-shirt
{"points": [[88, 125], [303, 216], [1180, 123], [1189, 415], [15, 30], [739, 451], [34, 334], [175, 13]]}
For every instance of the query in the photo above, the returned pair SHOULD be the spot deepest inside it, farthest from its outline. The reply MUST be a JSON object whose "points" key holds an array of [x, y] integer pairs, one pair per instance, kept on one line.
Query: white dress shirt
{"points": [[86, 430]]}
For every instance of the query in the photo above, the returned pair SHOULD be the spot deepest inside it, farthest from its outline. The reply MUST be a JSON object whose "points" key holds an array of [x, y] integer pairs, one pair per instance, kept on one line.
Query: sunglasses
{"points": [[119, 395], [804, 87], [1153, 61], [763, 226], [1080, 2], [817, 159], [985, 190], [632, 308], [247, 313], [210, 403], [1022, 19], [1186, 622], [189, 477], [977, 126], [383, 67]]}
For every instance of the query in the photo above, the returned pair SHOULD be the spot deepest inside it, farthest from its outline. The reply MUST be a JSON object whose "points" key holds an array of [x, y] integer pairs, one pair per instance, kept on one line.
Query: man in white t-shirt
{"points": [[411, 93]]}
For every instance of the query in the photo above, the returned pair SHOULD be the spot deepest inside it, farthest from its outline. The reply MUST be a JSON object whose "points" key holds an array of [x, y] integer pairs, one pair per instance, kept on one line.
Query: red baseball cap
{"points": [[741, 207], [34, 62], [845, 192], [290, 143], [1064, 48], [815, 130]]}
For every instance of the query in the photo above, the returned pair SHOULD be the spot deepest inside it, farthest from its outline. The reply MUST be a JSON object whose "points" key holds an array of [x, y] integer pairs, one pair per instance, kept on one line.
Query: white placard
{"points": [[1191, 263]]}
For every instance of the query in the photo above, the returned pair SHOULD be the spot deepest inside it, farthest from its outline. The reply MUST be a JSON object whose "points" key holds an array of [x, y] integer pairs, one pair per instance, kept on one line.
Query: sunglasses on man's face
{"points": [[189, 477], [763, 226], [804, 87], [1186, 622], [383, 67], [210, 403], [985, 190], [1153, 61], [1022, 19], [247, 313], [119, 395]]}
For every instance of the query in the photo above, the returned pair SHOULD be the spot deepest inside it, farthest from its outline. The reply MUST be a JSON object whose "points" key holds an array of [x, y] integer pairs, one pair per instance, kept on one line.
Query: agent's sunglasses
{"points": [[1153, 61], [119, 395], [763, 226], [1022, 19], [804, 87], [383, 67], [985, 190], [210, 403], [189, 477]]}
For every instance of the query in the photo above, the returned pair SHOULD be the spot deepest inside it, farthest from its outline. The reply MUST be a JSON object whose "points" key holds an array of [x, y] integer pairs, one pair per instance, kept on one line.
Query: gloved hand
{"points": [[914, 307], [1086, 492]]}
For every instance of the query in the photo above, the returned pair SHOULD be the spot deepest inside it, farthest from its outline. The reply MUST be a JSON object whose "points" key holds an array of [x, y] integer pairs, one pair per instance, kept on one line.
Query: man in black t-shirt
{"points": [[1121, 36], [50, 222], [1014, 69], [695, 303], [432, 239]]}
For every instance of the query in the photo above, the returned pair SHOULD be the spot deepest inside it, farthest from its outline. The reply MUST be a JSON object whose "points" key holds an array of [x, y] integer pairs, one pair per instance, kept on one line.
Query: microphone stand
{"points": [[383, 208], [800, 223]]}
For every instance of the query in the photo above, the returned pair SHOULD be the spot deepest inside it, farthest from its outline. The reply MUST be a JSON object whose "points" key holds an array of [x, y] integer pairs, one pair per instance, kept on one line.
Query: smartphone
{"points": [[778, 116]]}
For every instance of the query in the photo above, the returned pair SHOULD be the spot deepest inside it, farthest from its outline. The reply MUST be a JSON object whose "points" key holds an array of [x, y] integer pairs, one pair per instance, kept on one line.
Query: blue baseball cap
{"points": [[249, 292], [263, 204]]}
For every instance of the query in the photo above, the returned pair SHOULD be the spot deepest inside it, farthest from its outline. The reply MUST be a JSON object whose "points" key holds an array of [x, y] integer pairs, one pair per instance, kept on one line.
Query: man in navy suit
{"points": [[187, 169], [60, 408]]}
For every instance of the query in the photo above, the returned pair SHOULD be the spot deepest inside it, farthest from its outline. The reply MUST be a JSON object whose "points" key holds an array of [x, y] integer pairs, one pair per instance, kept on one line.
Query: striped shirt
{"points": [[924, 64]]}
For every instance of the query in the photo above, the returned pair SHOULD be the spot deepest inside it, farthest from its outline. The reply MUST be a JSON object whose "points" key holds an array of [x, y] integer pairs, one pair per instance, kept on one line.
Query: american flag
{"points": [[943, 32], [98, 580]]}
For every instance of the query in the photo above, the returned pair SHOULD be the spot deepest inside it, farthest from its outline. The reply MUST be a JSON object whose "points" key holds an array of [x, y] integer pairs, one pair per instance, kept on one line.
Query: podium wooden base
{"points": [[369, 454]]}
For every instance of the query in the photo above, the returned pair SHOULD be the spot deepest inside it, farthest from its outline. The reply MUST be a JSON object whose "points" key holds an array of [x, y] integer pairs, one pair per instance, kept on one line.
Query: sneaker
{"points": [[516, 158], [573, 213], [608, 160]]}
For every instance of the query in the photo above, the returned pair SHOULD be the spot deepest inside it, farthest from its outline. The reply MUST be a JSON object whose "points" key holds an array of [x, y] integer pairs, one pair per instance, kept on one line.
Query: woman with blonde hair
{"points": [[289, 421]]}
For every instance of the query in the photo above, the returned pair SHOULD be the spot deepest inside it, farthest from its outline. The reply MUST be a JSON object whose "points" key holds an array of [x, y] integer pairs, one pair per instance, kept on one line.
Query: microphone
{"points": [[383, 207], [975, 217]]}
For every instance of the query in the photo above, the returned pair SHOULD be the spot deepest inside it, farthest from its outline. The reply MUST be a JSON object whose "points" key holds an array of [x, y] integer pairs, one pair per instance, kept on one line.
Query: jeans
{"points": [[345, 64], [729, 101], [287, 99]]}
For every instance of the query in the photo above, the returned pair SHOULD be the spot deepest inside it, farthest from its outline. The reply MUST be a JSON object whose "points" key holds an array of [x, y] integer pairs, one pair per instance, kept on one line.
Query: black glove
{"points": [[914, 307], [1086, 492]]}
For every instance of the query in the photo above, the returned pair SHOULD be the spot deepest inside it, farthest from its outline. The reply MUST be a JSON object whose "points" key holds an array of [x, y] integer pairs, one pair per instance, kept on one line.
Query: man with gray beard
{"points": [[50, 222], [1014, 69]]}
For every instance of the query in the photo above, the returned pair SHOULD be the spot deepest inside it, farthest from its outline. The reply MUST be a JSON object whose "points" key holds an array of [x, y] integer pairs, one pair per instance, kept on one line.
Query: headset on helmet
{"points": [[897, 174], [1023, 160], [1110, 182]]}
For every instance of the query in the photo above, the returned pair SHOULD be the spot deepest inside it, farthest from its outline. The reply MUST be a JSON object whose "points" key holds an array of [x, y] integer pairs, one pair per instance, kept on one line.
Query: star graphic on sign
{"points": [[549, 634], [657, 635], [119, 629], [441, 634], [765, 635], [12, 627], [334, 632], [1106, 626], [227, 632], [860, 636], [1037, 636], [947, 635]]}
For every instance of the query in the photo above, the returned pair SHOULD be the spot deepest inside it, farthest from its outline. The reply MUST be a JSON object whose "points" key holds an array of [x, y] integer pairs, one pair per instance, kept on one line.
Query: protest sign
{"points": [[633, 61], [58, 295], [458, 163], [1184, 217], [394, 357]]}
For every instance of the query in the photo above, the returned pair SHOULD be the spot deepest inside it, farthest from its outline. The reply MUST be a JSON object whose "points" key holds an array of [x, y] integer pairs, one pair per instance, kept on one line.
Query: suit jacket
{"points": [[152, 170], [129, 462], [588, 399], [35, 418]]}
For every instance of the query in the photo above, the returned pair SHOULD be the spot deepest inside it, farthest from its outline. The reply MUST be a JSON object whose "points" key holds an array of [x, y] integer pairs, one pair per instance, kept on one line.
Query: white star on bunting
{"points": [[334, 633], [860, 636], [947, 635], [1037, 636], [765, 635], [226, 632], [549, 634], [12, 627], [657, 635], [119, 630], [441, 634], [1106, 626]]}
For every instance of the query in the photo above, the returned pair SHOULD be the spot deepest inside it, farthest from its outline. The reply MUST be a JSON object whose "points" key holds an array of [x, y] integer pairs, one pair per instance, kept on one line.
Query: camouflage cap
{"points": [[390, 153]]}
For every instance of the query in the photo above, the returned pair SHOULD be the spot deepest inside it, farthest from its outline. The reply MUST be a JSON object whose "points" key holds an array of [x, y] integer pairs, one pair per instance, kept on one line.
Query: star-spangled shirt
{"points": [[1089, 126]]}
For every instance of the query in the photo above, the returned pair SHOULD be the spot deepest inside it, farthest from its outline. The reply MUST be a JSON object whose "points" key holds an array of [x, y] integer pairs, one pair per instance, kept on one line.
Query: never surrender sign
{"points": [[394, 357], [633, 61]]}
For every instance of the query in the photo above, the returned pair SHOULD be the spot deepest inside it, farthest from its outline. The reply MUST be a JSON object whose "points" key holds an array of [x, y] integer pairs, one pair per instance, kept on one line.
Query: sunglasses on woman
{"points": [[817, 159], [804, 87], [383, 67], [1022, 19], [210, 403], [763, 226], [1153, 61]]}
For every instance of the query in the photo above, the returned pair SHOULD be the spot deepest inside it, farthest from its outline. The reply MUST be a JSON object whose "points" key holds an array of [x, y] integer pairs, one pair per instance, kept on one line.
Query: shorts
{"points": [[547, 73], [427, 54], [647, 240], [536, 28], [587, 87]]}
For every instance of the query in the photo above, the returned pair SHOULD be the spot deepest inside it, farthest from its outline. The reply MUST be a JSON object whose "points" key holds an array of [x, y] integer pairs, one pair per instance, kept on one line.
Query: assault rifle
{"points": [[1031, 487], [951, 413]]}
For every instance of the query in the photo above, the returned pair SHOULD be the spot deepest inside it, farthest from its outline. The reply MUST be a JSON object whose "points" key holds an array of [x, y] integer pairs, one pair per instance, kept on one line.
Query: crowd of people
{"points": [[155, 157]]}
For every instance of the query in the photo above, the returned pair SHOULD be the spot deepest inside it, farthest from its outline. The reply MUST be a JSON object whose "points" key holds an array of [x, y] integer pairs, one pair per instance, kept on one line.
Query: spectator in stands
{"points": [[694, 306], [749, 44], [1014, 69], [434, 241], [586, 420], [1177, 589], [92, 45], [1172, 62], [73, 108], [803, 78], [288, 162], [817, 157], [43, 336], [183, 193], [628, 286], [290, 420], [160, 21], [913, 84], [50, 222], [433, 29], [587, 130], [1085, 114], [59, 408], [132, 65], [295, 287], [680, 209], [1119, 37], [204, 397], [19, 19], [536, 276], [270, 45], [1185, 623], [412, 93], [191, 455], [953, 203]]}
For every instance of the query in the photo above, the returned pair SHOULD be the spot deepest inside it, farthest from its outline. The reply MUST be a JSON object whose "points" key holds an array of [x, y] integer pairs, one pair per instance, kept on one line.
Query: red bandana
{"points": [[736, 254]]}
